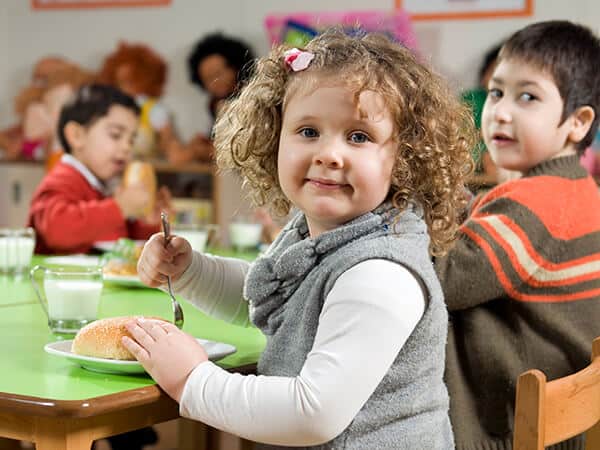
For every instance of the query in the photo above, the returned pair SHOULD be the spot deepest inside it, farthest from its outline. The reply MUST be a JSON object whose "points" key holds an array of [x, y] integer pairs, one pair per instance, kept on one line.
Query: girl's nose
{"points": [[329, 155]]}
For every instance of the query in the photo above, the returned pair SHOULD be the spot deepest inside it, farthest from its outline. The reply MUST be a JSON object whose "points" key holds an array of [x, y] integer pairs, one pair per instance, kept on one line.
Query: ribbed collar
{"points": [[565, 166]]}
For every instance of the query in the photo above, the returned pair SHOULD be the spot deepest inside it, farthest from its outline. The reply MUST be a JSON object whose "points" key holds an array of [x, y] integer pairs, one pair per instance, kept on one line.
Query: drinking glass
{"points": [[16, 249], [68, 295]]}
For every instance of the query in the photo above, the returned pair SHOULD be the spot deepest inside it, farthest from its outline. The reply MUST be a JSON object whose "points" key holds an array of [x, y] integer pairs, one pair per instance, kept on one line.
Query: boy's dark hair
{"points": [[489, 59], [570, 53], [238, 55], [92, 102]]}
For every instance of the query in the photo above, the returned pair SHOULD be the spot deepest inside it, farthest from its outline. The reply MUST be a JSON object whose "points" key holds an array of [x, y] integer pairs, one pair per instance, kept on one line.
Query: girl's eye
{"points": [[495, 93], [526, 96], [309, 133], [358, 138]]}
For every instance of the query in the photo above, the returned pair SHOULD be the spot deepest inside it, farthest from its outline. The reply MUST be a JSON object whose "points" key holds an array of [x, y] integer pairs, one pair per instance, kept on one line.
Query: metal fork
{"points": [[177, 311]]}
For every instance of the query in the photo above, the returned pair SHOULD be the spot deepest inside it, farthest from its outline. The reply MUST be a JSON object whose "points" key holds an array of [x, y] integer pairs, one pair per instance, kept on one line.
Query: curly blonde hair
{"points": [[435, 132]]}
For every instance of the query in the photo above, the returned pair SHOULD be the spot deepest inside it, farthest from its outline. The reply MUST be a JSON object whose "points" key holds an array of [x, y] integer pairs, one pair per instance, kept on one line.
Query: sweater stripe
{"points": [[512, 291], [532, 267]]}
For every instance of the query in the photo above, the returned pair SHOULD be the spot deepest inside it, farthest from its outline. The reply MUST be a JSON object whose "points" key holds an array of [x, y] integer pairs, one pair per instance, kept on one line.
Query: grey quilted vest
{"points": [[286, 289]]}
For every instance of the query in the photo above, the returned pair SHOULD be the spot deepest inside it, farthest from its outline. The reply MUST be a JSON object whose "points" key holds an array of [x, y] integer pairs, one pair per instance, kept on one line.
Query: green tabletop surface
{"points": [[27, 370]]}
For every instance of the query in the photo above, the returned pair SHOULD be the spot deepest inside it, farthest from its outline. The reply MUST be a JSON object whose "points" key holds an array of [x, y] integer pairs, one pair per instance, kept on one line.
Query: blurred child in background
{"points": [[77, 203]]}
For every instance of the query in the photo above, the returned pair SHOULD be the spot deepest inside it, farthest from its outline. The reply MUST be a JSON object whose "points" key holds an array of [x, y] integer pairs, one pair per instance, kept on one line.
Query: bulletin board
{"points": [[76, 4], [465, 9]]}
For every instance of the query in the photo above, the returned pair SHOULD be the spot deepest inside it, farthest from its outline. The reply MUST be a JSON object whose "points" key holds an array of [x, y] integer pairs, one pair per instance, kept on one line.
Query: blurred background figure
{"points": [[54, 81], [218, 65]]}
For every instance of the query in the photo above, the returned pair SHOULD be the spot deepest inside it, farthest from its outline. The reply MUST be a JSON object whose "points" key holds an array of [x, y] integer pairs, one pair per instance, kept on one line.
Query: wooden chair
{"points": [[550, 412]]}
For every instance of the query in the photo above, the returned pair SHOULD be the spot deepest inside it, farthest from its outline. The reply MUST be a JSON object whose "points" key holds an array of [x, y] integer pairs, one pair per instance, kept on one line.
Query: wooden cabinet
{"points": [[18, 181], [223, 190]]}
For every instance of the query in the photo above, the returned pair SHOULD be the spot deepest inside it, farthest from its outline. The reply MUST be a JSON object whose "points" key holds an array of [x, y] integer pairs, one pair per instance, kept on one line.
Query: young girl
{"points": [[372, 149]]}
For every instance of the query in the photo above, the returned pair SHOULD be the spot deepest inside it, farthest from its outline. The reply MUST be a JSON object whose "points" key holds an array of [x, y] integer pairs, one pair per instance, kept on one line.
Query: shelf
{"points": [[161, 165]]}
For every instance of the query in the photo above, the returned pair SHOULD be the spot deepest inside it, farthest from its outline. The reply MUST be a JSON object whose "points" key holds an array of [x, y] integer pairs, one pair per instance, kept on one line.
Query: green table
{"points": [[61, 406]]}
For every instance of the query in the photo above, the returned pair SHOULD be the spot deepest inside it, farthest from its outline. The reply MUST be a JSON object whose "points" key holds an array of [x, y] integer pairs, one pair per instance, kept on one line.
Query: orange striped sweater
{"points": [[522, 286]]}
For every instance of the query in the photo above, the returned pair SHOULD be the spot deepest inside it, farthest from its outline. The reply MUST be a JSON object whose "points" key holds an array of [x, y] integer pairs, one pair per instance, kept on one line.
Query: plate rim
{"points": [[123, 364], [102, 244]]}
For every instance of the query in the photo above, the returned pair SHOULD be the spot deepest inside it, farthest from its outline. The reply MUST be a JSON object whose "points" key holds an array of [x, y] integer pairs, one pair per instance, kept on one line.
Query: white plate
{"points": [[107, 246], [123, 280], [73, 260], [215, 351]]}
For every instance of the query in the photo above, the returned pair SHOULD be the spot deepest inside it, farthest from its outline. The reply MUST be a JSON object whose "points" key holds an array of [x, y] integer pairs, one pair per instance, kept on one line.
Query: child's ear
{"points": [[582, 121], [74, 134]]}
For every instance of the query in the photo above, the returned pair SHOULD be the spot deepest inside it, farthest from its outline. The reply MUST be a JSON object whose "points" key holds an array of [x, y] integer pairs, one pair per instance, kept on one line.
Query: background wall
{"points": [[454, 47]]}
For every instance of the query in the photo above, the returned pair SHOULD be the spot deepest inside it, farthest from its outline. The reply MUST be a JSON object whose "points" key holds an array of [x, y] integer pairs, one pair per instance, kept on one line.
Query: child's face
{"points": [[335, 160], [217, 76], [521, 117], [105, 146]]}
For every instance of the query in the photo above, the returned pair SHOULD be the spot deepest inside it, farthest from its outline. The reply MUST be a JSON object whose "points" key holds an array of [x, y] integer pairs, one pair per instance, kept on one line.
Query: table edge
{"points": [[38, 406]]}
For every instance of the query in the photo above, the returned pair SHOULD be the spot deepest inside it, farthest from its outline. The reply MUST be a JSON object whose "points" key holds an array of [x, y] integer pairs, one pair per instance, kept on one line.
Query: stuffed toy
{"points": [[54, 81], [142, 73], [139, 71]]}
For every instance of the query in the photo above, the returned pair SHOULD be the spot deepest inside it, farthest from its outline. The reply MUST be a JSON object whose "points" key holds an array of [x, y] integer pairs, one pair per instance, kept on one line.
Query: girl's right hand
{"points": [[157, 261]]}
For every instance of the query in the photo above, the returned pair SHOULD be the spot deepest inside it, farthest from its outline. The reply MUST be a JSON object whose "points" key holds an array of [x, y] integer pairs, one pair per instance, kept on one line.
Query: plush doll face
{"points": [[217, 76], [135, 69], [126, 81]]}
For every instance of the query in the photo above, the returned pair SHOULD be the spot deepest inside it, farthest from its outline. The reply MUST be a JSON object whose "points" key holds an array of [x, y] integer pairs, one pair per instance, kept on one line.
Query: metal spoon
{"points": [[177, 311]]}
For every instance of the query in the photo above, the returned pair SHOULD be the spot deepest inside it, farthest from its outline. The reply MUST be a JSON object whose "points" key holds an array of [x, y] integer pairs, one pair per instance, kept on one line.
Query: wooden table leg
{"points": [[56, 435]]}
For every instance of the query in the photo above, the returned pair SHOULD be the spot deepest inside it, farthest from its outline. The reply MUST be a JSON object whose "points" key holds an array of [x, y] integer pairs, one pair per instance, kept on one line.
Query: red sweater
{"points": [[69, 215]]}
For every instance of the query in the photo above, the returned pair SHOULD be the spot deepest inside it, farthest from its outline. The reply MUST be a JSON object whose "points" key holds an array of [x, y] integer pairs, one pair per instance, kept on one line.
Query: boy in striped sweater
{"points": [[523, 282]]}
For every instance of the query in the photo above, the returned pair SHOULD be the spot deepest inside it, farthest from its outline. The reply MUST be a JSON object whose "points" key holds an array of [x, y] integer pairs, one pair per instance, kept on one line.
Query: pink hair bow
{"points": [[297, 59]]}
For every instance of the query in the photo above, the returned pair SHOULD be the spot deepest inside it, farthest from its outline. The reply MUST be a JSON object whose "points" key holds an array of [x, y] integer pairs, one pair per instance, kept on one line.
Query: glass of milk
{"points": [[197, 235], [16, 249], [245, 235], [68, 295]]}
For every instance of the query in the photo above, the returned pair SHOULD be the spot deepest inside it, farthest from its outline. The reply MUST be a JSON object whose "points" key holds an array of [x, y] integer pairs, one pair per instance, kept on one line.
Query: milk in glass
{"points": [[16, 249], [72, 299]]}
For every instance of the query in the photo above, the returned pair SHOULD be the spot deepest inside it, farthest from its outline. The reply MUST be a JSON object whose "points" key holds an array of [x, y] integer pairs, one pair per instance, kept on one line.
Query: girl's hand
{"points": [[168, 354], [157, 261]]}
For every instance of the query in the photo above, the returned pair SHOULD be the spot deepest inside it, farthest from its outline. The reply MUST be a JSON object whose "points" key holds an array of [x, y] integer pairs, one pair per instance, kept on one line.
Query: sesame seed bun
{"points": [[102, 338]]}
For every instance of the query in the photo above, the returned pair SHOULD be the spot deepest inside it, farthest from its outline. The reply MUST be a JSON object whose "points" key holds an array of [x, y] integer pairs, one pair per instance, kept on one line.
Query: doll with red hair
{"points": [[142, 73]]}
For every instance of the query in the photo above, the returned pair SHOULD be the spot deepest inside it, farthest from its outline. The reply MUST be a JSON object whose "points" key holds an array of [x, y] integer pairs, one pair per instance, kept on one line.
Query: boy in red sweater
{"points": [[75, 205], [522, 284]]}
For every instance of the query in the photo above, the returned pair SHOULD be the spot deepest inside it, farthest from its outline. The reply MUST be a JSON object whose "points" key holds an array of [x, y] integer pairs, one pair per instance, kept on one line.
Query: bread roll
{"points": [[102, 338], [139, 172]]}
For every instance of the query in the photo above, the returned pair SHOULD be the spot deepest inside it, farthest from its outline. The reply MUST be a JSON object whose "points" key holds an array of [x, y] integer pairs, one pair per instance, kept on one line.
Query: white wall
{"points": [[86, 36], [5, 100]]}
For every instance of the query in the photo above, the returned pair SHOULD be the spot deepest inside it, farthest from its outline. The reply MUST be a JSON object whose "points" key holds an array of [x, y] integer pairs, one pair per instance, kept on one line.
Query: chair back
{"points": [[550, 412]]}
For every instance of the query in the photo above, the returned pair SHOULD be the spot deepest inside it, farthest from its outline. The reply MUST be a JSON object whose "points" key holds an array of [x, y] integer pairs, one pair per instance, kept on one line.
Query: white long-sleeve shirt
{"points": [[367, 317]]}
